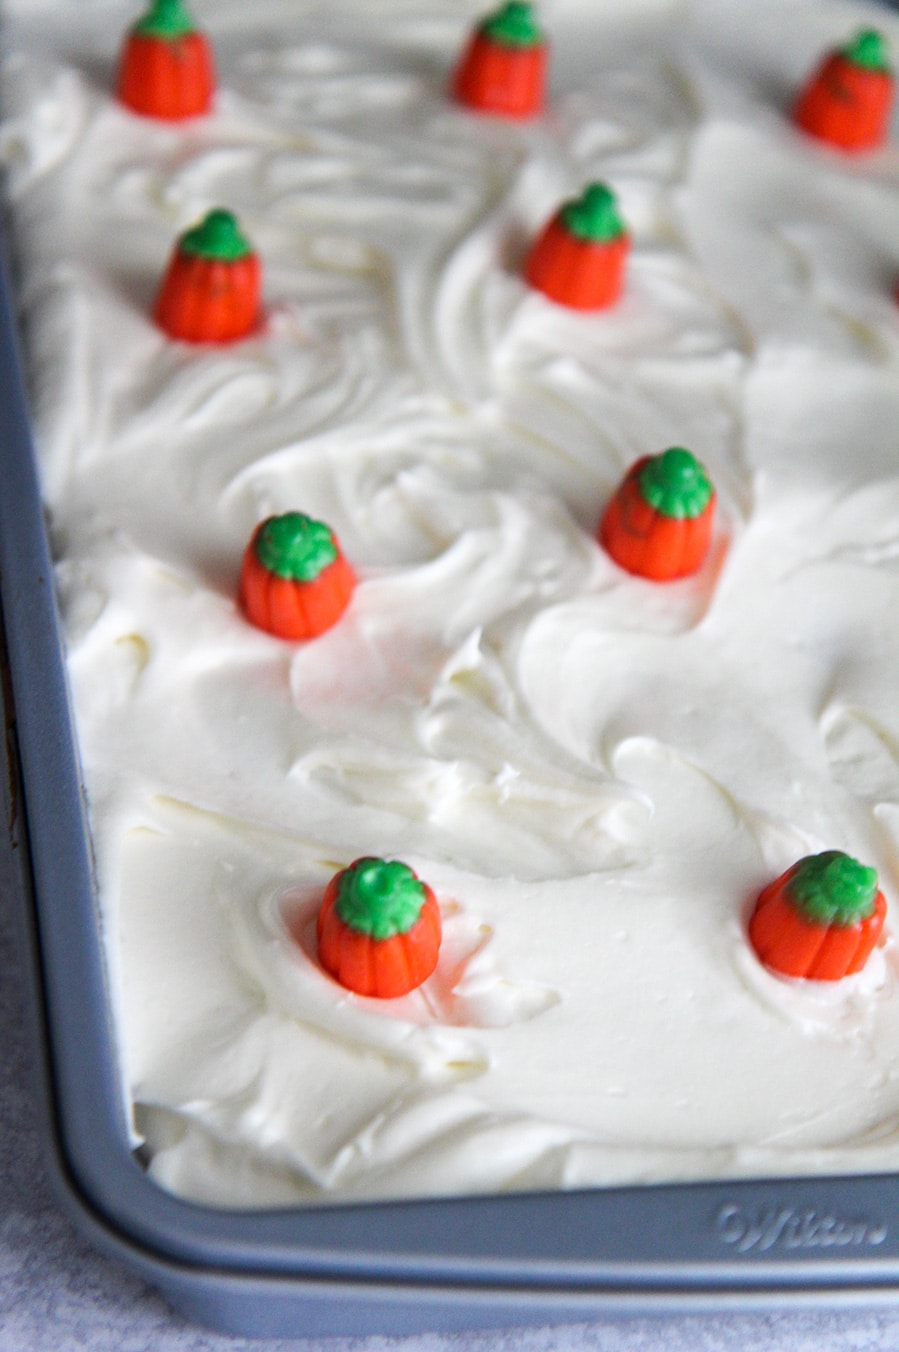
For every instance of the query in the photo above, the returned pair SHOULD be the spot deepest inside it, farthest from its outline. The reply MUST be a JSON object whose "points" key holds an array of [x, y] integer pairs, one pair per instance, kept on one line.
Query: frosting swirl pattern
{"points": [[596, 774]]}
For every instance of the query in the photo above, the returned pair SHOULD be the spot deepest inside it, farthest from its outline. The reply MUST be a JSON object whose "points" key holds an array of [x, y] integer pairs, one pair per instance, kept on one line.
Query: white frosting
{"points": [[595, 774]]}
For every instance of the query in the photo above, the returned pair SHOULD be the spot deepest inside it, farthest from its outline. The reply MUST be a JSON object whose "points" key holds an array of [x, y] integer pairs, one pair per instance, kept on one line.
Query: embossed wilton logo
{"points": [[786, 1228]]}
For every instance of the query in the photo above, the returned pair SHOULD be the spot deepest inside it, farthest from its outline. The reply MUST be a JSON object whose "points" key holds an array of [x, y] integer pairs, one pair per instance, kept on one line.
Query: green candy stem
{"points": [[594, 215], [217, 236], [513, 25], [676, 484], [833, 889], [294, 546], [165, 19], [379, 898], [868, 49]]}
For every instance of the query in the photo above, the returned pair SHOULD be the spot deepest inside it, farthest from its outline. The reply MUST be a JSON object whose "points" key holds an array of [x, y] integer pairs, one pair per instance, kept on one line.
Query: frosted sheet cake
{"points": [[595, 773]]}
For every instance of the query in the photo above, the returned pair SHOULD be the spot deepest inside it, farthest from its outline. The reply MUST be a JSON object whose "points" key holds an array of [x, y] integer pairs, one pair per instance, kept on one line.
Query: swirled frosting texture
{"points": [[594, 773]]}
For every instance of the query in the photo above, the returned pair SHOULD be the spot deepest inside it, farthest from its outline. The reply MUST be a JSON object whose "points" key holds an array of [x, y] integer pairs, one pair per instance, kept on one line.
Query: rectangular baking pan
{"points": [[351, 1269]]}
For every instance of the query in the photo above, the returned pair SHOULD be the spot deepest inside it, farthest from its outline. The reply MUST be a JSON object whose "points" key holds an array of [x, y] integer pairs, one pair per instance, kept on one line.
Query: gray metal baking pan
{"points": [[394, 1268]]}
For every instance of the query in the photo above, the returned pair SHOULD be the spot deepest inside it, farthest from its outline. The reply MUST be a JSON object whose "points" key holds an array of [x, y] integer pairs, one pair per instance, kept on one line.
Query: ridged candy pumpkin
{"points": [[379, 929], [820, 919], [166, 69], [210, 292], [848, 99], [294, 582], [579, 258], [502, 70], [659, 523]]}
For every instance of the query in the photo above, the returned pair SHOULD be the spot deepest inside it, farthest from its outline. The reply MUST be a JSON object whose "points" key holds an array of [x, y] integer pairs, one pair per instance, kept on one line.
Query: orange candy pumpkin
{"points": [[579, 259], [659, 523], [379, 929], [211, 289], [295, 582], [820, 920], [167, 69], [502, 70], [848, 99]]}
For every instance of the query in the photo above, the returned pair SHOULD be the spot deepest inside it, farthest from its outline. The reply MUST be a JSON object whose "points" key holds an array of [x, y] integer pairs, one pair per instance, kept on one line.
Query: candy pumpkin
{"points": [[379, 929], [294, 582], [820, 919], [579, 259], [848, 99], [659, 522], [211, 289], [167, 68], [503, 68]]}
